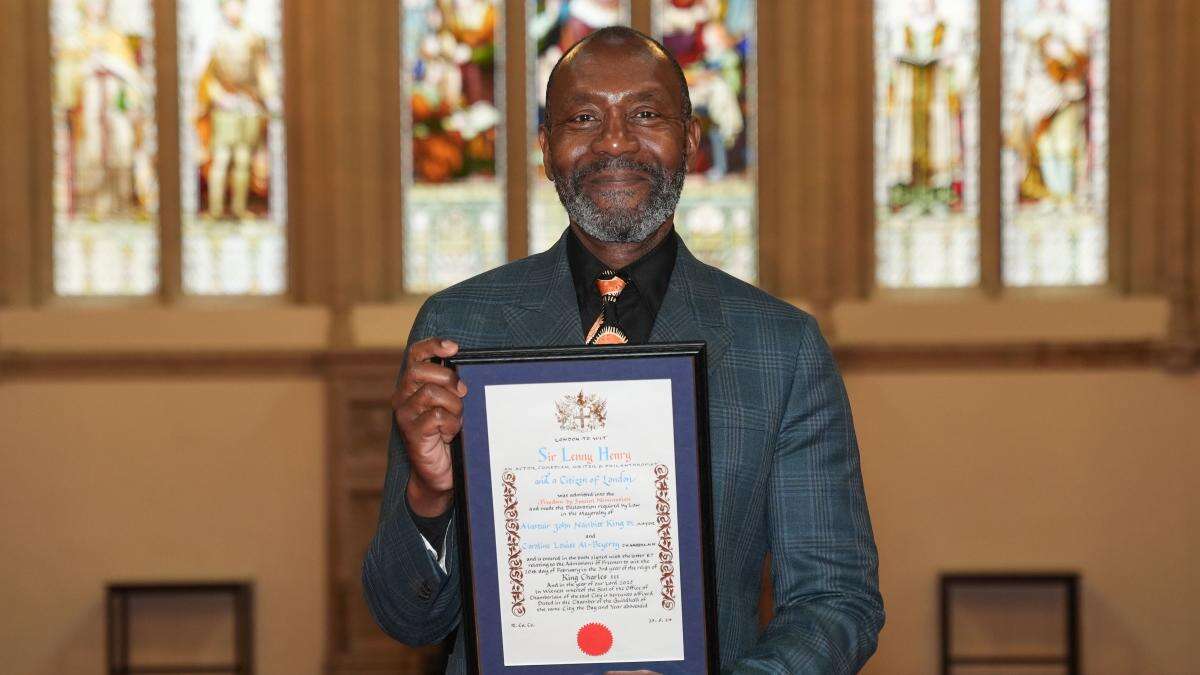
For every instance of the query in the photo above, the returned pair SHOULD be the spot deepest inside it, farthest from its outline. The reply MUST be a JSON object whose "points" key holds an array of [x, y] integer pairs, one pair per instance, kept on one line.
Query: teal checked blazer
{"points": [[785, 467]]}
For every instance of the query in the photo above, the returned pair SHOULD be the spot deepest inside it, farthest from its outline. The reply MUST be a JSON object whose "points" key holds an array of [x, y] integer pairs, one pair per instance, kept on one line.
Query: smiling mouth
{"points": [[618, 178]]}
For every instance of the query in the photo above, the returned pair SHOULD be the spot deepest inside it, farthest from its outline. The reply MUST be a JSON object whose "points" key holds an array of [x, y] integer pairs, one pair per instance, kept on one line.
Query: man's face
{"points": [[95, 11], [615, 142], [233, 11]]}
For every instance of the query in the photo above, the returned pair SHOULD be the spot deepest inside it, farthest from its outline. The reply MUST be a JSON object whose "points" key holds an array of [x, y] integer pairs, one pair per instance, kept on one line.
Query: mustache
{"points": [[616, 223], [657, 173]]}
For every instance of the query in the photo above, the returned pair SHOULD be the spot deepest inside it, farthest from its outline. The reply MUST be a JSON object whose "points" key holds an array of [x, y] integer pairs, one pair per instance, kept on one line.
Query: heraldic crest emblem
{"points": [[581, 412]]}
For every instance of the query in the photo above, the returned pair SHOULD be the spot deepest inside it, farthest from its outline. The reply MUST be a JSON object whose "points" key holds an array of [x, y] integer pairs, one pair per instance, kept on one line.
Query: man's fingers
{"points": [[410, 404], [430, 347], [432, 373], [432, 395], [427, 388], [437, 422], [427, 397]]}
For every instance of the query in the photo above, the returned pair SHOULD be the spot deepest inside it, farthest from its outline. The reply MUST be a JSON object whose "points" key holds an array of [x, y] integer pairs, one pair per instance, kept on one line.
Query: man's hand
{"points": [[428, 407]]}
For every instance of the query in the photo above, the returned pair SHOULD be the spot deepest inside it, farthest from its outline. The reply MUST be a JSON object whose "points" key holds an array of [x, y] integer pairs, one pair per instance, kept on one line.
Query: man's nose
{"points": [[613, 138]]}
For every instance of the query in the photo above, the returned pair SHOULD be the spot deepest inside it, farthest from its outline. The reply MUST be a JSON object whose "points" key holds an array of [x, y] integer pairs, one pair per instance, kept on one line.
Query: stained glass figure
{"points": [[552, 27], [714, 42], [926, 143], [234, 189], [1055, 178], [452, 73], [105, 189]]}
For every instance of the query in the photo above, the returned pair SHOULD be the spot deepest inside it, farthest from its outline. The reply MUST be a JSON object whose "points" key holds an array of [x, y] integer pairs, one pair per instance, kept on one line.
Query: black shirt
{"points": [[646, 281]]}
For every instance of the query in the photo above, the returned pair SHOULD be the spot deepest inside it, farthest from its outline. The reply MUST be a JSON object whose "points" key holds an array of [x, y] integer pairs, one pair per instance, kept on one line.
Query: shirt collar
{"points": [[650, 274]]}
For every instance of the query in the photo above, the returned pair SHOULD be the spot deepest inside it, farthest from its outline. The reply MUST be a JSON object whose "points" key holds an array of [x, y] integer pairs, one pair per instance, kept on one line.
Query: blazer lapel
{"points": [[545, 311], [691, 309]]}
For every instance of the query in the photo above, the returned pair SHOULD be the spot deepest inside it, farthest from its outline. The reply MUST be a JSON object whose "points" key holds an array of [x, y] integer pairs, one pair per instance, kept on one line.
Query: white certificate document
{"points": [[584, 498]]}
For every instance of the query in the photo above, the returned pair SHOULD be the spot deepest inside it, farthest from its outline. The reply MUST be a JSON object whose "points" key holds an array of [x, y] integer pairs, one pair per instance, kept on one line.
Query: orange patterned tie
{"points": [[605, 331]]}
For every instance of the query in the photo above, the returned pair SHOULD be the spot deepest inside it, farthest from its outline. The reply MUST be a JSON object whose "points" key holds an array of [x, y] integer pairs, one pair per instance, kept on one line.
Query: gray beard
{"points": [[622, 225]]}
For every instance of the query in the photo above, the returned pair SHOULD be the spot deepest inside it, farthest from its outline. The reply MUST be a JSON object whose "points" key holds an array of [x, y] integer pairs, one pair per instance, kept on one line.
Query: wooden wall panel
{"points": [[783, 117], [343, 230], [360, 422], [1120, 169], [640, 15], [516, 137], [326, 174], [301, 103], [990, 81], [1192, 187], [166, 106], [374, 101], [816, 92], [770, 228], [1184, 289], [819, 167], [16, 245], [365, 65], [391, 237], [343, 86], [1145, 138], [37, 137], [1174, 160], [856, 235]]}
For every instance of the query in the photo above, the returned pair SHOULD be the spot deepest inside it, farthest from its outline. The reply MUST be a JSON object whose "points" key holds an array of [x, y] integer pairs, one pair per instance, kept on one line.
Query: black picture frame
{"points": [[693, 351]]}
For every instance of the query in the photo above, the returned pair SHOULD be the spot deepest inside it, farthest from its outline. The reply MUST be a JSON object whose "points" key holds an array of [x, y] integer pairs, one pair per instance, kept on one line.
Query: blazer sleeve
{"points": [[411, 599], [828, 610]]}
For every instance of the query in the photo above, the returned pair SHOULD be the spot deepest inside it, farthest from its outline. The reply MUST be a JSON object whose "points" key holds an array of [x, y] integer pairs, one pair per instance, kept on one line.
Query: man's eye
{"points": [[647, 118], [583, 118]]}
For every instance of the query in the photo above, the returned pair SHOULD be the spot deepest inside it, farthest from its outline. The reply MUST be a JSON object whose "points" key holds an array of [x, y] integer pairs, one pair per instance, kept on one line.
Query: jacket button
{"points": [[424, 592]]}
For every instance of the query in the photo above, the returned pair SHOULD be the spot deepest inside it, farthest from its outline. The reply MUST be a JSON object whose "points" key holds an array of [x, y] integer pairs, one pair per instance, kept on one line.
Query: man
{"points": [[237, 94], [924, 104], [1052, 61], [108, 105], [617, 142]]}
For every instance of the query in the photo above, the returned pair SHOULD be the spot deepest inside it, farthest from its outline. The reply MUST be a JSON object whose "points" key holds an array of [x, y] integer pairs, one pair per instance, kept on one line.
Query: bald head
{"points": [[625, 41]]}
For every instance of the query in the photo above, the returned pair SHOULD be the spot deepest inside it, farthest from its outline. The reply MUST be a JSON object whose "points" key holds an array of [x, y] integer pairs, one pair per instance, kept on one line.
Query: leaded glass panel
{"points": [[1055, 176], [453, 135], [714, 42], [926, 143], [551, 28], [234, 183], [105, 186]]}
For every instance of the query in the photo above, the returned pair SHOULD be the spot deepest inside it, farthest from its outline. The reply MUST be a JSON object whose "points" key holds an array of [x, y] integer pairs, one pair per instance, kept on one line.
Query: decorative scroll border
{"points": [[512, 526], [666, 556]]}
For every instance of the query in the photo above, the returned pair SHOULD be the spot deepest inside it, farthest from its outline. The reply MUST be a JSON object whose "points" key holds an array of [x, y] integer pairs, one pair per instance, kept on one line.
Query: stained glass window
{"points": [[234, 189], [552, 27], [1055, 180], [714, 42], [105, 189], [453, 81], [926, 143]]}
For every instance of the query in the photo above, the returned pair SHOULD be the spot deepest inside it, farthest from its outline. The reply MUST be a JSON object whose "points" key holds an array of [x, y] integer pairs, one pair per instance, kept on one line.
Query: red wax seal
{"points": [[594, 639]]}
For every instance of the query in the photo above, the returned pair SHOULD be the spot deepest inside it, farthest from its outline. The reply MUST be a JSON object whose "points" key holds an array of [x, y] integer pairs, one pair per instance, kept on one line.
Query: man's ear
{"points": [[544, 144], [692, 141]]}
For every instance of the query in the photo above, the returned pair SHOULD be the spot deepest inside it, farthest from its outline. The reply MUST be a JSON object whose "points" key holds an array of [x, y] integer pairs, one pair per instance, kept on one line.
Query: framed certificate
{"points": [[584, 510]]}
